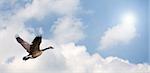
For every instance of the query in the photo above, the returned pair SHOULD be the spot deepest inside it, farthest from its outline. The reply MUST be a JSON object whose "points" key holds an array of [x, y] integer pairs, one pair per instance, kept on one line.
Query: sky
{"points": [[89, 36], [107, 14]]}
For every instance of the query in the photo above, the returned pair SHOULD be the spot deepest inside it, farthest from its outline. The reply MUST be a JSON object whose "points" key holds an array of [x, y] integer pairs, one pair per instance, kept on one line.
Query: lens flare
{"points": [[128, 18]]}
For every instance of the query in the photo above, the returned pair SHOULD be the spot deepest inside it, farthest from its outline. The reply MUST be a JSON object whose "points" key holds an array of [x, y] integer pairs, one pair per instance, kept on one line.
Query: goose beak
{"points": [[50, 47]]}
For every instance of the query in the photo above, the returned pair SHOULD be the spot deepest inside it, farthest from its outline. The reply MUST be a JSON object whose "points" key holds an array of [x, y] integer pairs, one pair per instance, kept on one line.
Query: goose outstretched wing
{"points": [[23, 43], [36, 43]]}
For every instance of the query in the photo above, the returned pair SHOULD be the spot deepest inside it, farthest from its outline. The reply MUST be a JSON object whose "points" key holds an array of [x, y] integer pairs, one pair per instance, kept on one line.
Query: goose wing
{"points": [[36, 43], [23, 43]]}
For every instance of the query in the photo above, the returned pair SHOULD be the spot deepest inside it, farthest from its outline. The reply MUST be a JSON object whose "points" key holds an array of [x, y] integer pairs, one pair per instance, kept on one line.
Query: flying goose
{"points": [[34, 48]]}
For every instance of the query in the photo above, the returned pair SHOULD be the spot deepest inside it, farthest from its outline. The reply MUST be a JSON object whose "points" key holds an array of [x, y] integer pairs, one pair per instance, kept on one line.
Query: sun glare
{"points": [[129, 18]]}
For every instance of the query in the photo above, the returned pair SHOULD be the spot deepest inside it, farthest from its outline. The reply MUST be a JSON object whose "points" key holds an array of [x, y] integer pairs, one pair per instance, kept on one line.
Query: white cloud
{"points": [[69, 58], [40, 8], [8, 42], [66, 57], [68, 29], [121, 33]]}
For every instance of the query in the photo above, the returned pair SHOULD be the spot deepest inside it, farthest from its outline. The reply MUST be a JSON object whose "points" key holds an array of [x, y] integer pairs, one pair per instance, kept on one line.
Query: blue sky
{"points": [[107, 13], [88, 36], [98, 16]]}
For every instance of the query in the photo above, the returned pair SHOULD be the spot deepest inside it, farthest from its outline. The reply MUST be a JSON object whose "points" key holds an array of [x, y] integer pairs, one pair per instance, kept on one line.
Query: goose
{"points": [[34, 48]]}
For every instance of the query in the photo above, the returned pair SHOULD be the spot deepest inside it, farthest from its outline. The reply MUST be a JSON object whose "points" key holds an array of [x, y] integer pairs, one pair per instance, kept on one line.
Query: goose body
{"points": [[34, 48]]}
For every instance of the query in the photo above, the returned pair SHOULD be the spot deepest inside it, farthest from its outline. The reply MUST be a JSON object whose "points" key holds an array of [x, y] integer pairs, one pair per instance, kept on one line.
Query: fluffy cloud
{"points": [[73, 58], [121, 33], [66, 57], [40, 8], [68, 29]]}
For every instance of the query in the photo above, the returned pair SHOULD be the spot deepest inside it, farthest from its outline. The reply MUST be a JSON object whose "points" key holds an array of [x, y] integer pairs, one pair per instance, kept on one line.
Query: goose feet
{"points": [[26, 58]]}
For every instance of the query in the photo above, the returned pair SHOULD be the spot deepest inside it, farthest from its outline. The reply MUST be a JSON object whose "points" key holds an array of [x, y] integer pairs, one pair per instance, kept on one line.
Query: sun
{"points": [[129, 18]]}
